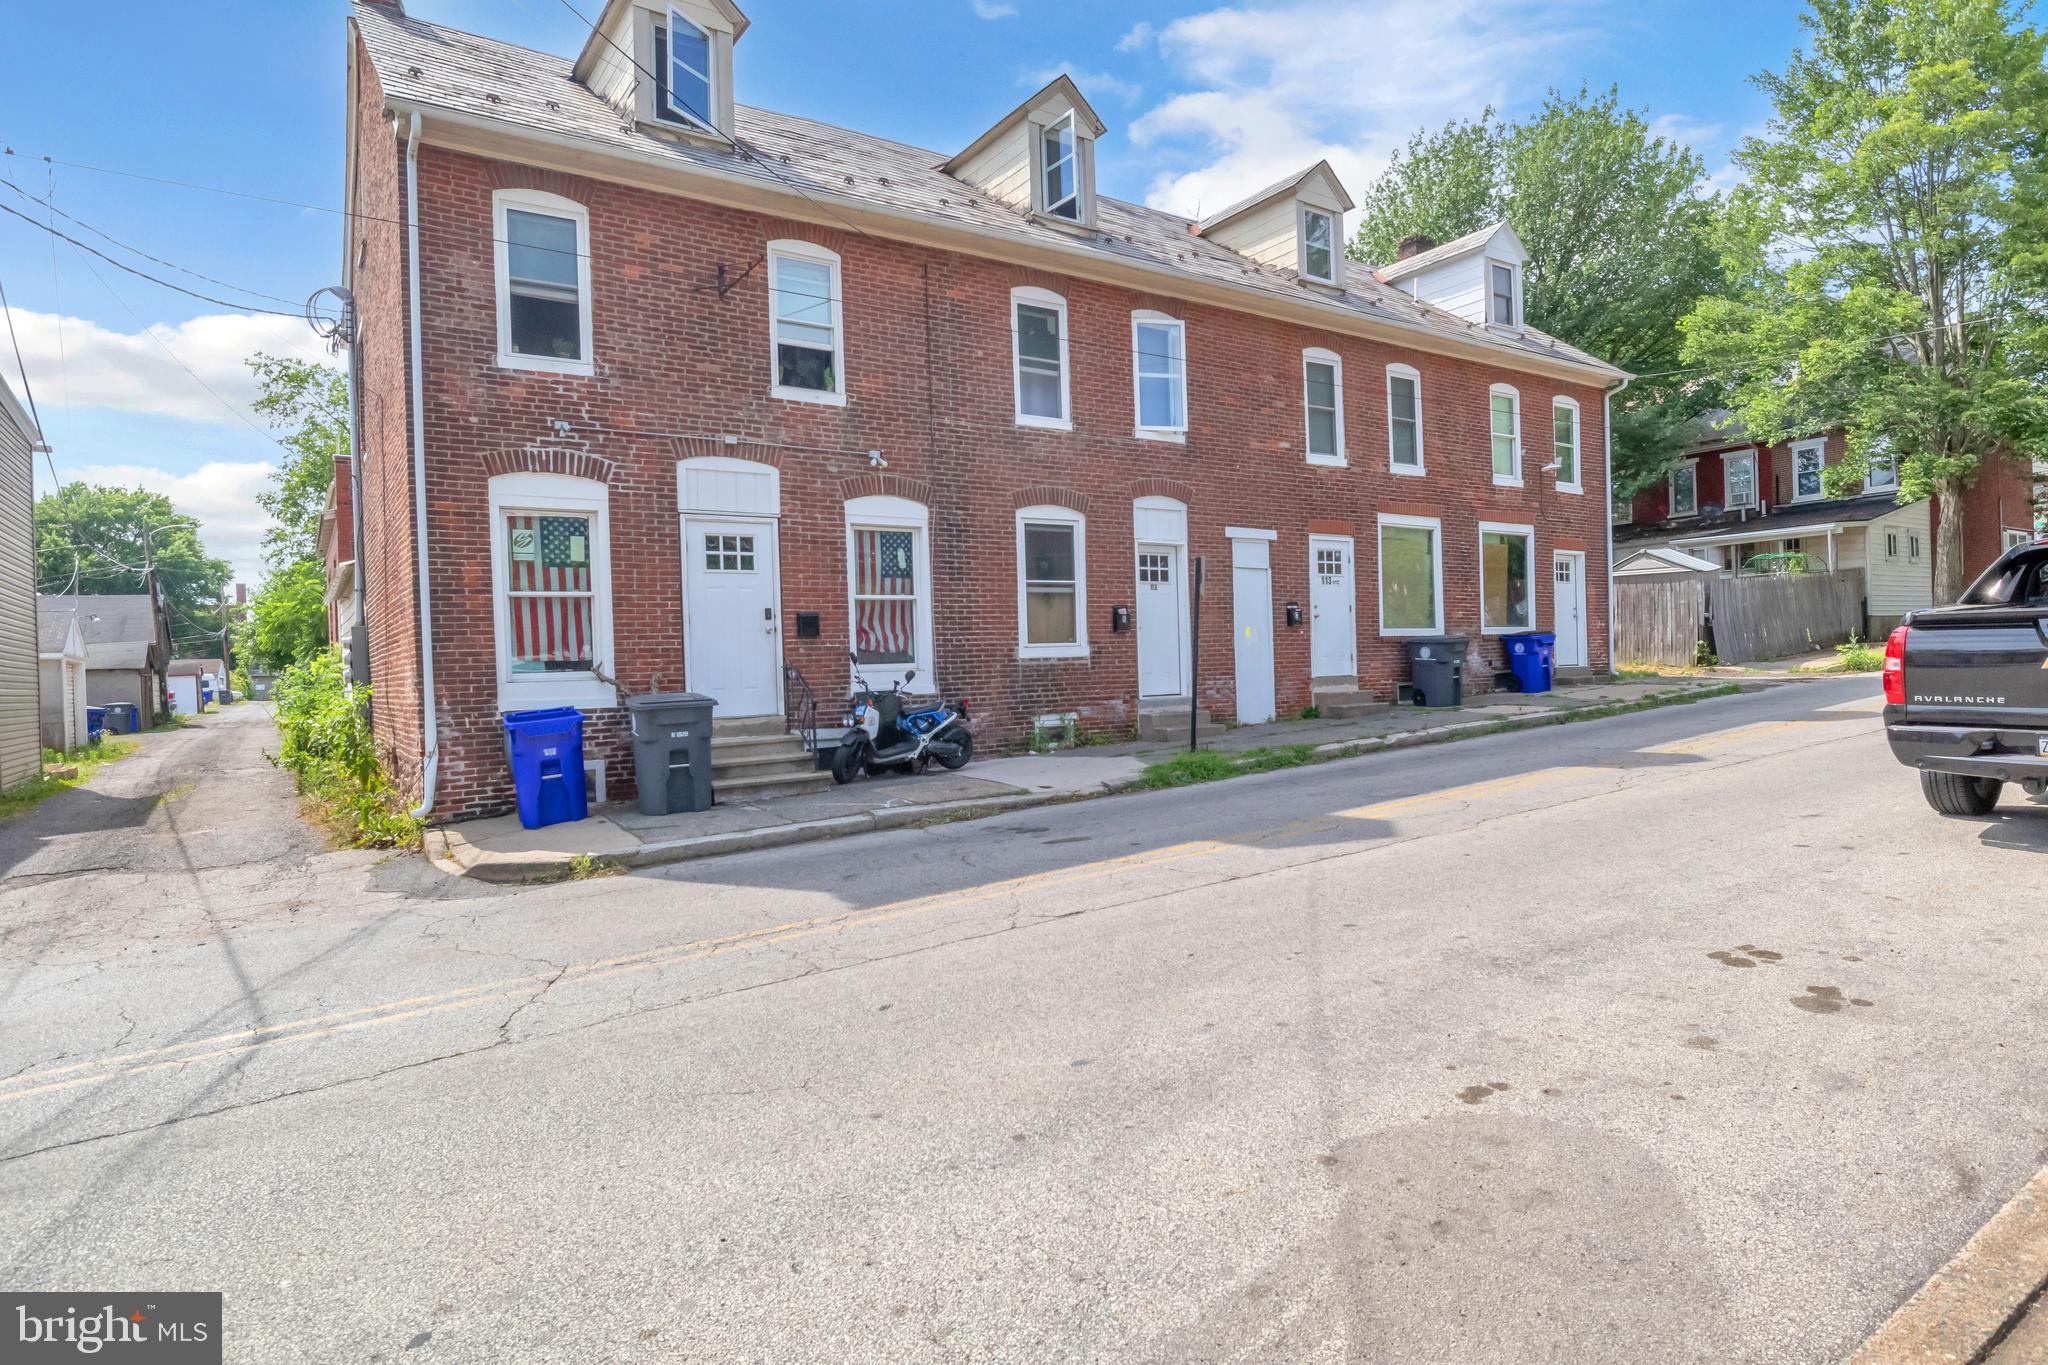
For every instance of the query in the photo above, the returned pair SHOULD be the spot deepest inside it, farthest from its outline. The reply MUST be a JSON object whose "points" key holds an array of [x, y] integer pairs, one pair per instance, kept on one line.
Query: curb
{"points": [[518, 869], [1969, 1305]]}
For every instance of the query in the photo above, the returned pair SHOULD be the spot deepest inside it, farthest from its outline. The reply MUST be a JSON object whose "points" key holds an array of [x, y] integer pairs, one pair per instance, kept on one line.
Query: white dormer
{"points": [[1295, 225], [679, 75], [1478, 276], [1040, 158]]}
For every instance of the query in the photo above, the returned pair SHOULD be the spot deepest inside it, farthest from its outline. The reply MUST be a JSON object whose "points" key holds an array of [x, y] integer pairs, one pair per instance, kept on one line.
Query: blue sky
{"points": [[1204, 102]]}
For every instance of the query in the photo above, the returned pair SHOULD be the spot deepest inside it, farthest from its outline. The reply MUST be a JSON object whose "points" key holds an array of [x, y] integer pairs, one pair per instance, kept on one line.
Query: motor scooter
{"points": [[884, 735]]}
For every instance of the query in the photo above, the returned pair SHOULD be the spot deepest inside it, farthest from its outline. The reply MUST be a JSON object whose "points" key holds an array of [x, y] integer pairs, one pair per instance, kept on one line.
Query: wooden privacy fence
{"points": [[1744, 619], [1773, 616], [1661, 622]]}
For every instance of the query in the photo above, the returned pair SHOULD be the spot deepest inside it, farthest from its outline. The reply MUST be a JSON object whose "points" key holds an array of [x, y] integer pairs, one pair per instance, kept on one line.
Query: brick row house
{"points": [[1742, 505], [661, 390]]}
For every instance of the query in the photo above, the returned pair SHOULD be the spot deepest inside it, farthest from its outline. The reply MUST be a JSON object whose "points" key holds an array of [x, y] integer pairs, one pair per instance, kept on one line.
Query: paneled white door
{"points": [[1568, 575], [1251, 597], [1161, 619], [731, 646], [1332, 608]]}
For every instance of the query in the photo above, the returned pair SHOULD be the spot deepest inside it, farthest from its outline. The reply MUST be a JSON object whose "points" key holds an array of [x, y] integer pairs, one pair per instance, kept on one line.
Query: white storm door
{"points": [[1162, 637], [1332, 608], [1251, 597], [731, 649], [1568, 574]]}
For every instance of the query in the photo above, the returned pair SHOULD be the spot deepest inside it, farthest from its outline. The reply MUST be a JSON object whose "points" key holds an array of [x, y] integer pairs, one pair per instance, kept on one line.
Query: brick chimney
{"points": [[1414, 244], [241, 594]]}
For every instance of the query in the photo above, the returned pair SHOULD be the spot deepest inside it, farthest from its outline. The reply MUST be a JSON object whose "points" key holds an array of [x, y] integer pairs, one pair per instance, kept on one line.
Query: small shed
{"points": [[60, 668], [1663, 562]]}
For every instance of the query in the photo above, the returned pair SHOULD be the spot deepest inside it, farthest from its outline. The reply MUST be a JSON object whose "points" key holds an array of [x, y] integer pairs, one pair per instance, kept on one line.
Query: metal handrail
{"points": [[799, 707]]}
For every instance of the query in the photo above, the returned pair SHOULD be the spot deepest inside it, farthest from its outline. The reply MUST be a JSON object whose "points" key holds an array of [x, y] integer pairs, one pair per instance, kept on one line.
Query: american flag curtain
{"points": [[885, 596], [550, 602]]}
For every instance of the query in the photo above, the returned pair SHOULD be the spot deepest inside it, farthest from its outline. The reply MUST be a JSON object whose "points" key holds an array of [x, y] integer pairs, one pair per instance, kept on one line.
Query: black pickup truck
{"points": [[1966, 687]]}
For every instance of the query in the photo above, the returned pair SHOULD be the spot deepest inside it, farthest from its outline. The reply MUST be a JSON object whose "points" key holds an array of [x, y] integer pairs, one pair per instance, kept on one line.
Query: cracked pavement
{"points": [[1431, 1056]]}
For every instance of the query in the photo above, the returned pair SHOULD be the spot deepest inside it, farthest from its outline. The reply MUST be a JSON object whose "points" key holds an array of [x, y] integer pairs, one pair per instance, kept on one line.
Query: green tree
{"points": [[1619, 226], [1887, 251], [308, 405], [91, 540]]}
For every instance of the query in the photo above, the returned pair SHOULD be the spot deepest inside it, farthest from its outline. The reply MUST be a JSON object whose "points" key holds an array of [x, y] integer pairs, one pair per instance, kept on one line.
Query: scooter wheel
{"points": [[964, 743], [845, 765]]}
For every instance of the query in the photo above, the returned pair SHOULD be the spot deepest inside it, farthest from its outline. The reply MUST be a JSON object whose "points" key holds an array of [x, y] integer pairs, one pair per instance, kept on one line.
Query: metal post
{"points": [[1195, 663]]}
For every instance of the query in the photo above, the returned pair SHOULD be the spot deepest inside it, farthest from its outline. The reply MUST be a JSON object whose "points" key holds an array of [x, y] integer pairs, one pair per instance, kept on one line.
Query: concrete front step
{"points": [[739, 791], [752, 758], [1156, 723], [746, 727], [1343, 703]]}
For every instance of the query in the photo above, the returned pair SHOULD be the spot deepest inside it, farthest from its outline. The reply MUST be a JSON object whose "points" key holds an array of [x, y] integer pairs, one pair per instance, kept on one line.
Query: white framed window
{"points": [[1404, 419], [1912, 547], [683, 62], [1159, 375], [1507, 601], [1564, 443], [1503, 294], [1883, 473], [543, 281], [807, 341], [1318, 245], [551, 600], [1411, 575], [1504, 406], [1738, 480], [1052, 583], [1891, 544], [1322, 384], [1685, 489], [1808, 459], [1038, 346], [1059, 189], [2010, 539], [889, 589]]}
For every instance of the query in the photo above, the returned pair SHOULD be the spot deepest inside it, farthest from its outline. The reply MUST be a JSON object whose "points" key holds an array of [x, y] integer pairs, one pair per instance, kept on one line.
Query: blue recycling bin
{"points": [[1530, 657], [546, 752], [95, 723]]}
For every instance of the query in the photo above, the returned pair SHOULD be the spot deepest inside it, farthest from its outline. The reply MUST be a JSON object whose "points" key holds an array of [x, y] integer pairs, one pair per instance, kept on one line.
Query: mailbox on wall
{"points": [[1119, 619], [1294, 613]]}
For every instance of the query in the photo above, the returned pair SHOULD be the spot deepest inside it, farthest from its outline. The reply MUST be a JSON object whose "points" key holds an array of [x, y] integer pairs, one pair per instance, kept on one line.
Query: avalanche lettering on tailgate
{"points": [[1962, 701]]}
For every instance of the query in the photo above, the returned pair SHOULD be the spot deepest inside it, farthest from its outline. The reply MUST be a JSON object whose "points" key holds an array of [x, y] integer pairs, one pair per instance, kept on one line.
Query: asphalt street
{"points": [[1691, 1035]]}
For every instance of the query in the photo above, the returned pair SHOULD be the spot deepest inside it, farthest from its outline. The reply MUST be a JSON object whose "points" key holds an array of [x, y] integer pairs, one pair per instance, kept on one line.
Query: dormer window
{"points": [[1500, 295], [682, 58], [1318, 245], [1060, 185]]}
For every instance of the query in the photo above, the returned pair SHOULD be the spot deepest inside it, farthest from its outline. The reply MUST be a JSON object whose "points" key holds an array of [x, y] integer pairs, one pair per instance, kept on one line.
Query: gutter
{"points": [[430, 729], [1302, 309], [1607, 437]]}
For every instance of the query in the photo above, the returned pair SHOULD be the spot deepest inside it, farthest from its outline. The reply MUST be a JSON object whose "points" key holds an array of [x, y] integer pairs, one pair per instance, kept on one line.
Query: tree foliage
{"points": [[308, 405], [1619, 225], [1886, 255], [98, 534]]}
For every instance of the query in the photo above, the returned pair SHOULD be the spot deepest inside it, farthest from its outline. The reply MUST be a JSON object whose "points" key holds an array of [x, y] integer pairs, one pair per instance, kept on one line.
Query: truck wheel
{"points": [[1954, 794]]}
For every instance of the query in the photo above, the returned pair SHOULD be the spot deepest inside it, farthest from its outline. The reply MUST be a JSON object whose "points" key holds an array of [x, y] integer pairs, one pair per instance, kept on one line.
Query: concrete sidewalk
{"points": [[499, 850]]}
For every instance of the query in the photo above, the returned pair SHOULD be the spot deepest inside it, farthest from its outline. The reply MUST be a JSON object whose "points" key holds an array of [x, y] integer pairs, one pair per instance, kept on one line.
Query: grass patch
{"points": [[581, 868], [1857, 656], [332, 756], [88, 761], [174, 721], [1213, 765]]}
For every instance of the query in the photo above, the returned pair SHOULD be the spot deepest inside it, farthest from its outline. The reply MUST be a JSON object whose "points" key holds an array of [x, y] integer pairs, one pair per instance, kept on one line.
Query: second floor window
{"points": [[1323, 391], [1807, 462], [1564, 438], [1061, 192], [1685, 490], [1739, 475], [808, 348], [1160, 361], [683, 57], [1506, 408], [1500, 293], [1038, 324], [543, 270], [1404, 420], [1883, 473], [1318, 246]]}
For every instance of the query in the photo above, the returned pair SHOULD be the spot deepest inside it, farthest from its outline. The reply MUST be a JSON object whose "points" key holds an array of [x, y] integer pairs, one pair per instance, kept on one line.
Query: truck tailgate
{"points": [[1982, 666]]}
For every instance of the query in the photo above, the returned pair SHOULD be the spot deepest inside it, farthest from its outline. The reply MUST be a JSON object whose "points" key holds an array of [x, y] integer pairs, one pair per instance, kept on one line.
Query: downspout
{"points": [[430, 730], [1607, 437]]}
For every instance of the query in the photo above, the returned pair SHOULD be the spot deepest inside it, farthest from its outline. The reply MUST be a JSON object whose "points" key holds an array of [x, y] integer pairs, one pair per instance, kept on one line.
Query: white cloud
{"points": [[221, 496], [994, 9], [1277, 87], [1092, 83], [84, 365], [1139, 35]]}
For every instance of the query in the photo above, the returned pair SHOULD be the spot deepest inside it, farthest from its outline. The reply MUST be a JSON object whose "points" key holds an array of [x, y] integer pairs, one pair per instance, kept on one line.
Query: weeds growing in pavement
{"points": [[332, 756]]}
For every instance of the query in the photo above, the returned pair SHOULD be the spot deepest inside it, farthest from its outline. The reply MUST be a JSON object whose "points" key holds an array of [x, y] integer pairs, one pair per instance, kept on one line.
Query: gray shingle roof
{"points": [[1782, 521], [1423, 260], [111, 619], [53, 624], [433, 67]]}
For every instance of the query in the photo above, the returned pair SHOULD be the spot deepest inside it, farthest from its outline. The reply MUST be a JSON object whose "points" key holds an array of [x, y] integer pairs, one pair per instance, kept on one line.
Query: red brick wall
{"points": [[2001, 498], [929, 383]]}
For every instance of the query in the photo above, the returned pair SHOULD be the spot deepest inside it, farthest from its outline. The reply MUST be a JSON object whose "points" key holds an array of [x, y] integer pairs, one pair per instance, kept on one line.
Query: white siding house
{"points": [[21, 753]]}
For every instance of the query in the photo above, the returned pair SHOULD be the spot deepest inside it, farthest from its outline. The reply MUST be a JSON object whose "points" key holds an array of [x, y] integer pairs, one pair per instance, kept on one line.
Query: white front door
{"points": [[1568, 619], [1162, 609], [1251, 596], [1332, 608], [731, 649]]}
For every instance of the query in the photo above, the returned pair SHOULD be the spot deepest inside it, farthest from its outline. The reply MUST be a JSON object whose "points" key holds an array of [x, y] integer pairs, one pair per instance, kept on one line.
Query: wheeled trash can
{"points": [[1530, 657], [545, 749], [672, 751], [1437, 665]]}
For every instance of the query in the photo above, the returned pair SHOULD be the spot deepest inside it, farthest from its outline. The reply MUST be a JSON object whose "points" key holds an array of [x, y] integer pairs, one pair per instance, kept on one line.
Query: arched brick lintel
{"points": [[885, 486], [1164, 488], [579, 464], [1051, 495]]}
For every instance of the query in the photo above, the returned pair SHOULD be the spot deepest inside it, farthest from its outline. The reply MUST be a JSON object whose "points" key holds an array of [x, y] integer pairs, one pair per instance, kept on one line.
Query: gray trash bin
{"points": [[1437, 663], [671, 751]]}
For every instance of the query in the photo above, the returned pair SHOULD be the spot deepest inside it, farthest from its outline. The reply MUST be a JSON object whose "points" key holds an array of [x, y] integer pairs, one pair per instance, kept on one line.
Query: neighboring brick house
{"points": [[336, 545], [709, 392], [1731, 500]]}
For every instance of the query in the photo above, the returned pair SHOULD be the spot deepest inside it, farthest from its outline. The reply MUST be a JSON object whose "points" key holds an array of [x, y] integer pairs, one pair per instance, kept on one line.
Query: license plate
{"points": [[2043, 749]]}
